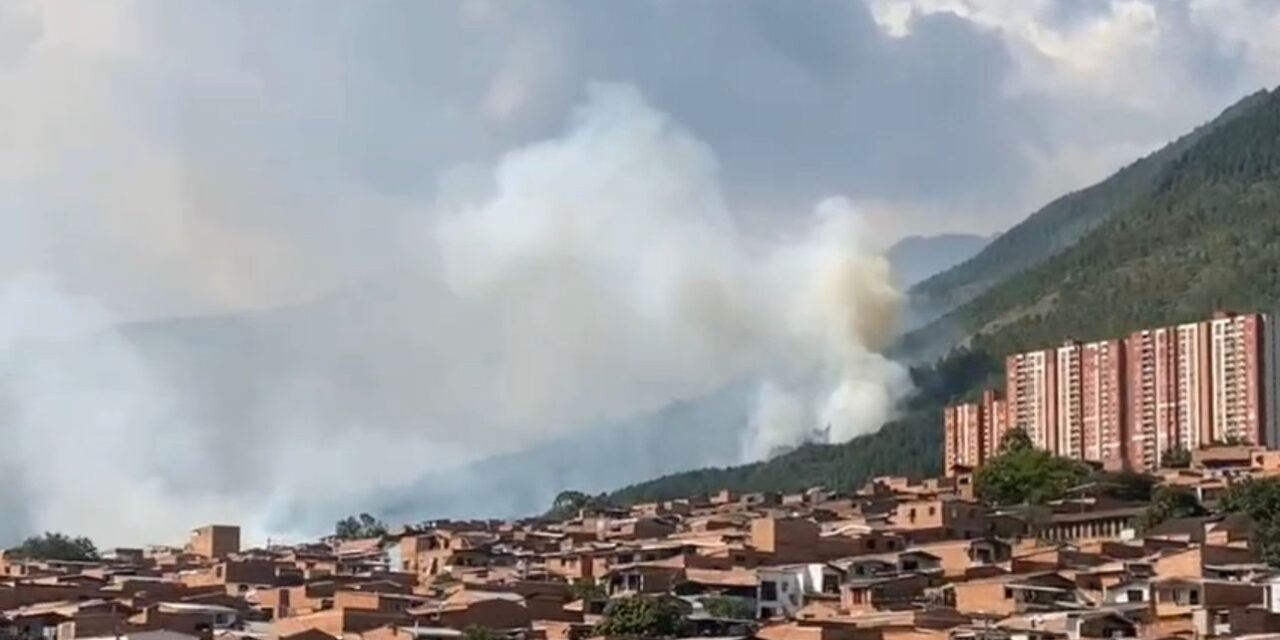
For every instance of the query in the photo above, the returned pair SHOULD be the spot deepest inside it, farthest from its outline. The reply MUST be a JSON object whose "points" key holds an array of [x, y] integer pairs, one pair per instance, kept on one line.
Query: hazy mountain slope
{"points": [[915, 258], [1205, 236], [1059, 224], [362, 361]]}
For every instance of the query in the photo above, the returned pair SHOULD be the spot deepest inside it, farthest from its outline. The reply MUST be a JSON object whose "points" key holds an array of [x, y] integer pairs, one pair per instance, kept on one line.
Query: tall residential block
{"points": [[1103, 401], [964, 432], [1068, 414], [1236, 369], [1125, 403], [995, 421], [1031, 394]]}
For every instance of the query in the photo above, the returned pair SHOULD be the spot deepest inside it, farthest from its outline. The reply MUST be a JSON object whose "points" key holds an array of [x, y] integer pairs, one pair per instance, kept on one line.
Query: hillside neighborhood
{"points": [[897, 559]]}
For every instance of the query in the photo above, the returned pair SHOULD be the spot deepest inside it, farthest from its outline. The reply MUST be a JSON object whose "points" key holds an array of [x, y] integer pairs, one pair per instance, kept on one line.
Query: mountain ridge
{"points": [[1204, 236]]}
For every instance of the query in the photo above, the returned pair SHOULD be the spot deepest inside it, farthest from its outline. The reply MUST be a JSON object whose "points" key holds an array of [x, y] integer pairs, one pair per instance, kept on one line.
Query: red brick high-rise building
{"points": [[1125, 403], [1236, 398], [1103, 402], [964, 437], [1031, 394], [1068, 394], [995, 421]]}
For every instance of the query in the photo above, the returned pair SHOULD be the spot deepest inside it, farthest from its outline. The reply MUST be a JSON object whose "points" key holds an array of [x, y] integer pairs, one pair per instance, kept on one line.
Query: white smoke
{"points": [[585, 278], [625, 284]]}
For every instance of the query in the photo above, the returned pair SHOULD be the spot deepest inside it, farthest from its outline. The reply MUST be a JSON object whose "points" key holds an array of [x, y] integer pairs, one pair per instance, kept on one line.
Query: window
{"points": [[1193, 596], [858, 597], [1135, 595], [768, 590], [910, 565], [933, 511], [767, 612], [871, 544]]}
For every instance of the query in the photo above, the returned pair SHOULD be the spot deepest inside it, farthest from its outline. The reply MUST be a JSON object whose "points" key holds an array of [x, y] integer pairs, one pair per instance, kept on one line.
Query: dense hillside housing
{"points": [[897, 559]]}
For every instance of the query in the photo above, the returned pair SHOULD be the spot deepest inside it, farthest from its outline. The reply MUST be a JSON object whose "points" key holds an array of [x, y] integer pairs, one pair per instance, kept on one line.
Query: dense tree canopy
{"points": [[729, 607], [56, 546], [1169, 502], [642, 616], [361, 526], [1021, 474], [1175, 458], [1260, 500]]}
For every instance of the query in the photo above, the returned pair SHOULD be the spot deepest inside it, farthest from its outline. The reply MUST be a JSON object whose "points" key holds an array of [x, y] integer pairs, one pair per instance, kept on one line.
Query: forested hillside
{"points": [[910, 445], [1057, 226], [1206, 238], [1204, 234]]}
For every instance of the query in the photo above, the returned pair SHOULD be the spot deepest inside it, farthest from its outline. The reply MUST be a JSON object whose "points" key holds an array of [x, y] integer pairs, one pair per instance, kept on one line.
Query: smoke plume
{"points": [[573, 281]]}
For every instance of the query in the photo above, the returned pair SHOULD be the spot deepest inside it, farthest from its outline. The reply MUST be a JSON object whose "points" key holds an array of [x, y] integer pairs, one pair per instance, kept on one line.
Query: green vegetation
{"points": [[1060, 224], [642, 616], [1206, 237], [1022, 474], [588, 590], [56, 546], [729, 607], [357, 527], [569, 503], [1260, 500], [1189, 230], [1170, 502], [480, 633], [909, 445], [1175, 458], [1130, 486]]}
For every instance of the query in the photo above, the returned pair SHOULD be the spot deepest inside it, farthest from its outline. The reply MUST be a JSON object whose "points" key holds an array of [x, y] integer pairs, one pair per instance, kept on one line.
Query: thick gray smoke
{"points": [[226, 294], [577, 280]]}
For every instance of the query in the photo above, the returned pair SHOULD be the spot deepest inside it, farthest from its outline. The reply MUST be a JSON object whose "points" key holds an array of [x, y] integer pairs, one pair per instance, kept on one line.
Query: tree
{"points": [[1231, 440], [729, 607], [1175, 457], [1015, 440], [642, 616], [587, 590], [567, 504], [1130, 486], [1170, 502], [357, 527], [56, 546], [474, 632], [1260, 500], [1025, 475]]}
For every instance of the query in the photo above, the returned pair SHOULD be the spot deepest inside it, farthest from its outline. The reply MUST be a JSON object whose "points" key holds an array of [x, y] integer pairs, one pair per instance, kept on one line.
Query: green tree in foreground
{"points": [[1260, 500], [1015, 440], [642, 616], [1171, 502], [56, 546], [357, 527], [729, 607], [480, 633], [587, 590], [1021, 474], [1175, 458]]}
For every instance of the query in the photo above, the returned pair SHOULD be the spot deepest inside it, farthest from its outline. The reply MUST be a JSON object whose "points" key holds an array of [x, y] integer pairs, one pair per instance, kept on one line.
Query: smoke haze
{"points": [[575, 281]]}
